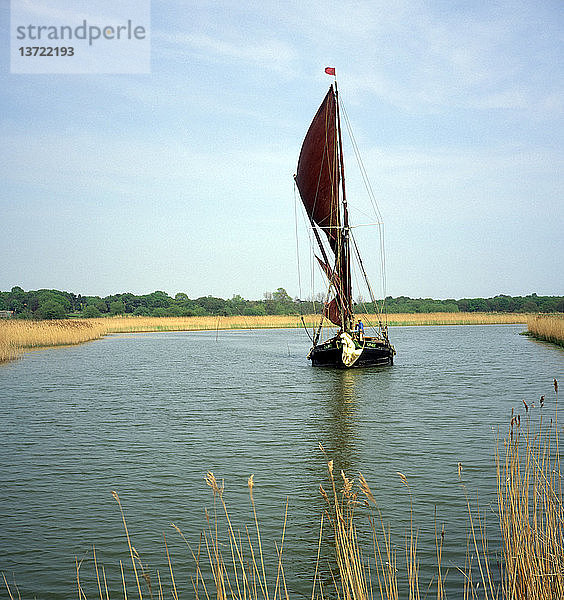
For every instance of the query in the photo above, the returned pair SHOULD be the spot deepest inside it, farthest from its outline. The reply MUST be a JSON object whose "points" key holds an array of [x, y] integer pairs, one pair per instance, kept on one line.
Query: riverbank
{"points": [[549, 328], [17, 335]]}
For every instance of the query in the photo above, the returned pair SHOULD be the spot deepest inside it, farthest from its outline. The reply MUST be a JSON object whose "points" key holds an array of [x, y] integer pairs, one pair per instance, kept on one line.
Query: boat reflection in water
{"points": [[342, 435]]}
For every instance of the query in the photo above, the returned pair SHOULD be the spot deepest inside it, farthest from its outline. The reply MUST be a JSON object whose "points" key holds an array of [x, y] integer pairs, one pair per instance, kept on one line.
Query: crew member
{"points": [[359, 330]]}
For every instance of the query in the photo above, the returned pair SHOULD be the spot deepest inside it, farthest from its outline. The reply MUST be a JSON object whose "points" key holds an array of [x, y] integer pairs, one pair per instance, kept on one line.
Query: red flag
{"points": [[330, 71]]}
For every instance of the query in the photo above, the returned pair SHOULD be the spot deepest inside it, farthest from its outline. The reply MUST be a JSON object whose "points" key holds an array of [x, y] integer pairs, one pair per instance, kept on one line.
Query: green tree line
{"points": [[54, 304]]}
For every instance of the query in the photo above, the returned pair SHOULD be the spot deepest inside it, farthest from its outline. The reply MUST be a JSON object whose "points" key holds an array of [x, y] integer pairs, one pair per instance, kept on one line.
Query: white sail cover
{"points": [[350, 351]]}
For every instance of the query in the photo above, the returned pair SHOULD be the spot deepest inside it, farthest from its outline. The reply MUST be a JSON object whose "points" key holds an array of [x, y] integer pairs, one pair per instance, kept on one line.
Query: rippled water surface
{"points": [[148, 414]]}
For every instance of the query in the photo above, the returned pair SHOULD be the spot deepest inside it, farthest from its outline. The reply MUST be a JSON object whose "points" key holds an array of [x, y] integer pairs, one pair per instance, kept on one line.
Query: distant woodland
{"points": [[54, 304]]}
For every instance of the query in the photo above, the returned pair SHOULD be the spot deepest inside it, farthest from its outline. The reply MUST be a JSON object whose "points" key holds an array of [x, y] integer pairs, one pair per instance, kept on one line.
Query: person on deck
{"points": [[359, 330]]}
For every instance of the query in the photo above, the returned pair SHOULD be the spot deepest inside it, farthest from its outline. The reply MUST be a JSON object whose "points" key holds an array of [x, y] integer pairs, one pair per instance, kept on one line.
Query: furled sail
{"points": [[317, 176]]}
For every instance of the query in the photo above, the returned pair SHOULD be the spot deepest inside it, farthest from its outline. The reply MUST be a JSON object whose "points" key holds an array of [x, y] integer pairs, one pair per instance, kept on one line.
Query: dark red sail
{"points": [[332, 310], [317, 175]]}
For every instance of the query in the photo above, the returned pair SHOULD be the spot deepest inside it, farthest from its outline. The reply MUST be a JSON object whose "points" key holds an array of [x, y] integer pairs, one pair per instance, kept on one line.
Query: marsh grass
{"points": [[547, 327], [210, 323], [16, 335], [531, 513], [137, 324], [366, 566], [454, 318]]}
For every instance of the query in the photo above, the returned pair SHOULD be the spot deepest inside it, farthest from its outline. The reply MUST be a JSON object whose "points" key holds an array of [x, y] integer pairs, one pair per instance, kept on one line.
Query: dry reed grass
{"points": [[455, 318], [367, 570], [16, 335], [531, 513], [135, 324], [547, 327], [138, 324]]}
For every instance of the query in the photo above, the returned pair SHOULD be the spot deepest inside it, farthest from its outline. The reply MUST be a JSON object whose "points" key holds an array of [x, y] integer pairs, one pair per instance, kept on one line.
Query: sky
{"points": [[181, 179]]}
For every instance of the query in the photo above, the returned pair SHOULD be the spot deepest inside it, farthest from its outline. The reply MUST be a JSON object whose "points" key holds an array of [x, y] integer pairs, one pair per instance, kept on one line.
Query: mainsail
{"points": [[317, 178]]}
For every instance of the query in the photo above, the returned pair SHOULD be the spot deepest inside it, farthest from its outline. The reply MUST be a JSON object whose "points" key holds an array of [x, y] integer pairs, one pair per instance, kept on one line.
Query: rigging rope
{"points": [[373, 201], [313, 262], [297, 240]]}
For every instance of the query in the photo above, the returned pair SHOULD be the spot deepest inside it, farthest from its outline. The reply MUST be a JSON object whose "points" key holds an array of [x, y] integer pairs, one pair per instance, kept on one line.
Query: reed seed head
{"points": [[324, 494], [403, 479], [347, 484], [365, 488], [212, 482], [176, 528]]}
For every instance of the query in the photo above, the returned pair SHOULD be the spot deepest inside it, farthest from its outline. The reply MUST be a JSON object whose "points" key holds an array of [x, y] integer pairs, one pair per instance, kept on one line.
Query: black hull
{"points": [[329, 355]]}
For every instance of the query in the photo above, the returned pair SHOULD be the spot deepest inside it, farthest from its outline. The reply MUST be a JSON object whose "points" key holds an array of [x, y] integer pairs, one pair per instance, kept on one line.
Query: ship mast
{"points": [[344, 257]]}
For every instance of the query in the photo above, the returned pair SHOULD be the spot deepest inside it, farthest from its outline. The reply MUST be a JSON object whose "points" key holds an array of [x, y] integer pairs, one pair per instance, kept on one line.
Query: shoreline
{"points": [[547, 328], [19, 335]]}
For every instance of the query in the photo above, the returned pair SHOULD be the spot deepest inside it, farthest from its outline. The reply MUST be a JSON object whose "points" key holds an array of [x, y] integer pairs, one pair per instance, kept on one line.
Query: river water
{"points": [[148, 415]]}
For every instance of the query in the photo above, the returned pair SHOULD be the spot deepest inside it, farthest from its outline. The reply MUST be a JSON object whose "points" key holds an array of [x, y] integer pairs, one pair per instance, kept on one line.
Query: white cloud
{"points": [[268, 53], [419, 58]]}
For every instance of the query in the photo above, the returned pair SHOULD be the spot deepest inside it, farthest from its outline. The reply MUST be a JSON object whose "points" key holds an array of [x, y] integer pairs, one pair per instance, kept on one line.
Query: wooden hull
{"points": [[374, 353]]}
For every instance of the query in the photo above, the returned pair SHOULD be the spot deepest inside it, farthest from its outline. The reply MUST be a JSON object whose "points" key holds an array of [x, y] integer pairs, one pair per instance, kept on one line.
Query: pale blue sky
{"points": [[181, 180]]}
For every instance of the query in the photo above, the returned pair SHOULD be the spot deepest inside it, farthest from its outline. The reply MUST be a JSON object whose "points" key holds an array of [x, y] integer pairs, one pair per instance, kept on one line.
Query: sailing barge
{"points": [[320, 179]]}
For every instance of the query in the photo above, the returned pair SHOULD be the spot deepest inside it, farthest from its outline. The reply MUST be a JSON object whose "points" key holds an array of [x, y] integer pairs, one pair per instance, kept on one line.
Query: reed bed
{"points": [[547, 327], [365, 562], [454, 318], [531, 513], [135, 324], [17, 335], [139, 324]]}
